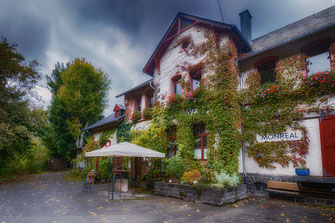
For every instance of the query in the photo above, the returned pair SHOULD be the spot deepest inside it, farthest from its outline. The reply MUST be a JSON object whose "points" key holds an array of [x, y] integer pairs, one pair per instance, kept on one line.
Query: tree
{"points": [[82, 93], [58, 138], [17, 79]]}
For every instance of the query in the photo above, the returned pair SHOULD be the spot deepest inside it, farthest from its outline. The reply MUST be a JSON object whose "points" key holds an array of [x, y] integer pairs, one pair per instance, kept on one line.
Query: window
{"points": [[267, 71], [172, 147], [259, 186], [318, 59], [177, 86], [200, 144], [150, 100], [138, 104], [195, 75]]}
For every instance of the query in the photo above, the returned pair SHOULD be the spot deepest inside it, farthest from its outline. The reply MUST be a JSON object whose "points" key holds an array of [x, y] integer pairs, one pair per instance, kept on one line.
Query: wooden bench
{"points": [[283, 187]]}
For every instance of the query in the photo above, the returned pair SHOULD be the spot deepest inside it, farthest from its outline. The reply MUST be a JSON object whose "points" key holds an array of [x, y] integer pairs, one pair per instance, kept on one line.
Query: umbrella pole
{"points": [[109, 174], [113, 188]]}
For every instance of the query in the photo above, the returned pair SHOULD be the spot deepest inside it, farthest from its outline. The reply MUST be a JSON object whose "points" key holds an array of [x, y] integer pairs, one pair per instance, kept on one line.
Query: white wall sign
{"points": [[289, 135]]}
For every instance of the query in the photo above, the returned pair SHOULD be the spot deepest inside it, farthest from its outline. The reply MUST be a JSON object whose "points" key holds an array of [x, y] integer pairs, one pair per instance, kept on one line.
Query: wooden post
{"points": [[97, 164]]}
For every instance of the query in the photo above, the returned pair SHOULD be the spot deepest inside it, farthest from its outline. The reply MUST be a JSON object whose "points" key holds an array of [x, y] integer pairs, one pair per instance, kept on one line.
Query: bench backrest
{"points": [[283, 185]]}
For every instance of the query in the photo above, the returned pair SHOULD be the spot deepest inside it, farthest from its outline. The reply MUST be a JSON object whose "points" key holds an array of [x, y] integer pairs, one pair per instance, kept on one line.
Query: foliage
{"points": [[75, 175], [58, 137], [176, 167], [83, 93], [105, 136], [91, 145], [226, 180], [191, 176], [123, 132], [18, 119], [136, 116], [295, 93]]}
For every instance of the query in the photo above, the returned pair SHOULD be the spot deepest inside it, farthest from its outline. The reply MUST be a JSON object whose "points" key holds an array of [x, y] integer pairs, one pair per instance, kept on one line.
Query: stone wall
{"points": [[206, 195]]}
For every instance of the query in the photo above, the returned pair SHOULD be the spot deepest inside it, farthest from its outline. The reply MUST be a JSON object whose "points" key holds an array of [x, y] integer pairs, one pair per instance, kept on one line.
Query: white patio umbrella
{"points": [[125, 149]]}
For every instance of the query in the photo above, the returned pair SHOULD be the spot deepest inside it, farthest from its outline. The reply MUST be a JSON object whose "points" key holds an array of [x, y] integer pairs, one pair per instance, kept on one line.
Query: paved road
{"points": [[49, 198]]}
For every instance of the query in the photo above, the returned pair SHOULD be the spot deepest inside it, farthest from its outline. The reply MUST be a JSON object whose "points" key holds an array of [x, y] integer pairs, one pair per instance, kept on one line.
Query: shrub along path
{"points": [[49, 198]]}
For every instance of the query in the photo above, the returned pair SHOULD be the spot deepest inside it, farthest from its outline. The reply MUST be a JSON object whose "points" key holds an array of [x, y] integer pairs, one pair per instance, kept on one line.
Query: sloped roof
{"points": [[317, 22], [146, 83], [175, 29], [108, 120]]}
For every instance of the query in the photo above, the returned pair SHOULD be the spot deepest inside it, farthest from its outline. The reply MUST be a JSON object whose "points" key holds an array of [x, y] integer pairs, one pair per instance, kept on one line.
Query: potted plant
{"points": [[302, 171]]}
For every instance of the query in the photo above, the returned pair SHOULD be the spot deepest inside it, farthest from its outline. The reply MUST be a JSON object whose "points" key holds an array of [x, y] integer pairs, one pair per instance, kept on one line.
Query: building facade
{"points": [[276, 95]]}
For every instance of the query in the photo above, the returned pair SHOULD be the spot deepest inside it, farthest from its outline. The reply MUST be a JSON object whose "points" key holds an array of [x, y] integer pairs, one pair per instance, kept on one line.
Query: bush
{"points": [[226, 180], [176, 167], [75, 174], [191, 176]]}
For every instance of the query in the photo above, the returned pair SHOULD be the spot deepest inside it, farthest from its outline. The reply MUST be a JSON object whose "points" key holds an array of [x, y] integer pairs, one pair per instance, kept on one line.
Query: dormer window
{"points": [[150, 100], [267, 71], [138, 104], [195, 75], [318, 59], [177, 90]]}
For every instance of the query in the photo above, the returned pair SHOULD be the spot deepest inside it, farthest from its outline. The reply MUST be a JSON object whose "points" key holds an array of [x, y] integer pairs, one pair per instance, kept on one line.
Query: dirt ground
{"points": [[49, 198]]}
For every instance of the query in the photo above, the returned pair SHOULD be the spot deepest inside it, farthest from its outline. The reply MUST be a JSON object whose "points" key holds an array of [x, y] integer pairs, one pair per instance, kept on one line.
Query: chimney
{"points": [[245, 19]]}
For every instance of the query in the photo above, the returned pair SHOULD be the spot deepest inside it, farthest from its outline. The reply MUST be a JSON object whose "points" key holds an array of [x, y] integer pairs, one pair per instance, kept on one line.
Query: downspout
{"points": [[242, 129], [150, 84]]}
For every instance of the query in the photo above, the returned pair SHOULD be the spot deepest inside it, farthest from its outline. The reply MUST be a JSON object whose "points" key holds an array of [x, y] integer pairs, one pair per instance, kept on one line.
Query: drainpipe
{"points": [[242, 129], [150, 84]]}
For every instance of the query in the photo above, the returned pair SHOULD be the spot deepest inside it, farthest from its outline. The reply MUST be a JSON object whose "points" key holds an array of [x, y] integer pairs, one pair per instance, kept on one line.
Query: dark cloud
{"points": [[120, 35], [24, 27]]}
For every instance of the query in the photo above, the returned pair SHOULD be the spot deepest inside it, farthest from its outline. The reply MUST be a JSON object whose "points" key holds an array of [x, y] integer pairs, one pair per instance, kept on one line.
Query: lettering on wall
{"points": [[289, 135]]}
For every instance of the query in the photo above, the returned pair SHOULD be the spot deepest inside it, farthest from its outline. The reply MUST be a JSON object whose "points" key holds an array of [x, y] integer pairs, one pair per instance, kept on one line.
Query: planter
{"points": [[124, 185], [302, 172], [213, 196]]}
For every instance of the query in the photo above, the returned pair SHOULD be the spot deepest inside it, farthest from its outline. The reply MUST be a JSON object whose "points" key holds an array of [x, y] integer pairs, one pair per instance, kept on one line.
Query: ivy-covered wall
{"points": [[274, 108], [233, 113]]}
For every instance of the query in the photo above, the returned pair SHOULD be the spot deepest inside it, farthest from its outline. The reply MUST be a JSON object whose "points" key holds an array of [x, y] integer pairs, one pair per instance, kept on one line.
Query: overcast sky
{"points": [[119, 36]]}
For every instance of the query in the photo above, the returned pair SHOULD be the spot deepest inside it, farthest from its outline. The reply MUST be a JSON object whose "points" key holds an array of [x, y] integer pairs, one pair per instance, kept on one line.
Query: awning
{"points": [[124, 149]]}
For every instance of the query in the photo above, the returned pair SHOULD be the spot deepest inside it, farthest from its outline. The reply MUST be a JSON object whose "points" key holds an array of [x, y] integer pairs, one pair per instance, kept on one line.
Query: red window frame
{"points": [[176, 81], [173, 138], [195, 73], [138, 104], [202, 134]]}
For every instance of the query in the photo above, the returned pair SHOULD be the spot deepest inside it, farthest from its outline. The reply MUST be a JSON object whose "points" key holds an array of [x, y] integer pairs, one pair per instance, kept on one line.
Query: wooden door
{"points": [[327, 131]]}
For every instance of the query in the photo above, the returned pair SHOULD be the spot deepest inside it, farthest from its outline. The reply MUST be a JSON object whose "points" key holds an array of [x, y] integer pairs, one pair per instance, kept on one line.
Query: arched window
{"points": [[177, 90], [267, 70], [318, 58], [195, 75]]}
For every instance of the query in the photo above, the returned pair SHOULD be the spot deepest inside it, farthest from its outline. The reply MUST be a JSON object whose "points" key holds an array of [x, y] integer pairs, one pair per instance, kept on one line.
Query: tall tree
{"points": [[58, 138], [83, 94], [17, 79]]}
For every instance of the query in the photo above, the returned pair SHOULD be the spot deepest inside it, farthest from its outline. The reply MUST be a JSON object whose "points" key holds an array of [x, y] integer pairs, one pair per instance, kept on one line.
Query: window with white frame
{"points": [[318, 59]]}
